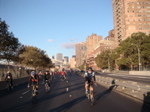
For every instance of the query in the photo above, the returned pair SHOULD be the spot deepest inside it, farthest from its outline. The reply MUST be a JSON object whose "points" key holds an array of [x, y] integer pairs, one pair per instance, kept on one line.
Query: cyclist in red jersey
{"points": [[33, 80], [62, 74]]}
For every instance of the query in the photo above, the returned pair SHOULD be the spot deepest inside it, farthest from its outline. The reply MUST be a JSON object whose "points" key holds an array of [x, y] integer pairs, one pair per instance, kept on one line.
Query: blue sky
{"points": [[51, 24]]}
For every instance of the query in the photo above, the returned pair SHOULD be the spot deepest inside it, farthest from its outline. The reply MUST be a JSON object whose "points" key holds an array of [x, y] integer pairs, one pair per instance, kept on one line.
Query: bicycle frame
{"points": [[90, 94], [47, 86], [8, 86], [34, 93]]}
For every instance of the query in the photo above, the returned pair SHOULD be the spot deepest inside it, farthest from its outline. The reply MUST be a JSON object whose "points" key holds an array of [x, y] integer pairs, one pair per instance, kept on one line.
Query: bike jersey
{"points": [[89, 76], [8, 77], [47, 76], [34, 80], [62, 73]]}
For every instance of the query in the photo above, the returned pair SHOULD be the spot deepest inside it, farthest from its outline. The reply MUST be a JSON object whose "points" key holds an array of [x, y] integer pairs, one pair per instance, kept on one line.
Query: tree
{"points": [[134, 48], [105, 60], [36, 58], [9, 43]]}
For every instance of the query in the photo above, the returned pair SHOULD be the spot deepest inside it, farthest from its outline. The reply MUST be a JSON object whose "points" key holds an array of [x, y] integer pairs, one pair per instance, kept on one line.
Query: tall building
{"points": [[59, 56], [130, 16], [80, 53], [73, 62], [66, 59], [90, 43]]}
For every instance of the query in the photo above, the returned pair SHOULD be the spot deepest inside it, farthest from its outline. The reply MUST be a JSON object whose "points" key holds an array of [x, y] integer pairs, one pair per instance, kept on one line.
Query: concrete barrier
{"points": [[147, 73]]}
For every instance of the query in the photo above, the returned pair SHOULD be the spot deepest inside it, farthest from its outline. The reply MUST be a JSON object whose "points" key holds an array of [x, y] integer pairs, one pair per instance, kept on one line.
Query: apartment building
{"points": [[73, 62], [66, 59], [59, 56], [130, 16], [80, 53], [91, 41]]}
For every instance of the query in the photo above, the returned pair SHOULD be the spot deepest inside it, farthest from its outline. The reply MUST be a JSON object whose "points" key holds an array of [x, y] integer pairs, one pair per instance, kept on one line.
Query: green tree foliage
{"points": [[106, 59], [34, 57], [128, 49], [126, 54], [9, 44]]}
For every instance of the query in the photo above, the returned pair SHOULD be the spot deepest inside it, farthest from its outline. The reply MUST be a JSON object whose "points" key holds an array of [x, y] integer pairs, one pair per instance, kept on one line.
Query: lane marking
{"points": [[25, 92], [67, 89]]}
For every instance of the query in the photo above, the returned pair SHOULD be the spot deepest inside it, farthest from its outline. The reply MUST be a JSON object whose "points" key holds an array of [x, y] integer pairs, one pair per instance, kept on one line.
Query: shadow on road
{"points": [[4, 92], [68, 105], [146, 103], [104, 94]]}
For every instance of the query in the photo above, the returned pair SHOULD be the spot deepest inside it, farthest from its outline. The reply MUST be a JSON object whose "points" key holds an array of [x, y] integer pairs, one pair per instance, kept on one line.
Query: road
{"points": [[73, 100], [136, 78]]}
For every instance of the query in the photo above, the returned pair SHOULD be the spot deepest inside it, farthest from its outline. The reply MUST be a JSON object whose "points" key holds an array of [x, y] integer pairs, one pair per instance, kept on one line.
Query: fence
{"points": [[131, 88], [16, 71]]}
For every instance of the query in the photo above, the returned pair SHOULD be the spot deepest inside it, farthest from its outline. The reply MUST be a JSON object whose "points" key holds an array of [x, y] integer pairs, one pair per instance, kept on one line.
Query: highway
{"points": [[68, 96]]}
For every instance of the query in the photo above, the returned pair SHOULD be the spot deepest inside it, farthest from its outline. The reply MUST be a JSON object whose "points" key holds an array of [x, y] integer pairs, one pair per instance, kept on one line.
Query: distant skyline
{"points": [[55, 26]]}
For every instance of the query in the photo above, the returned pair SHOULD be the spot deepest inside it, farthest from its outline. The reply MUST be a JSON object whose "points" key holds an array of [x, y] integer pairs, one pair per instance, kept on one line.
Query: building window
{"points": [[140, 28], [138, 7], [140, 19]]}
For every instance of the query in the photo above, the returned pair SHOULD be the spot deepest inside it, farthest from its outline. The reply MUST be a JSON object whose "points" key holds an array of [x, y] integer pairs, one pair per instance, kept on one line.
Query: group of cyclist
{"points": [[89, 76]]}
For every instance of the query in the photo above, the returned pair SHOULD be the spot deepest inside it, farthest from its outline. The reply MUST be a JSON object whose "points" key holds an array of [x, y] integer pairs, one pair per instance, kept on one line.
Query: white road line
{"points": [[67, 89], [25, 92]]}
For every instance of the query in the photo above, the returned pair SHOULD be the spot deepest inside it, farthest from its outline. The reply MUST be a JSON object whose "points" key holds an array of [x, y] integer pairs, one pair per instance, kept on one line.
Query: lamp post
{"points": [[138, 56]]}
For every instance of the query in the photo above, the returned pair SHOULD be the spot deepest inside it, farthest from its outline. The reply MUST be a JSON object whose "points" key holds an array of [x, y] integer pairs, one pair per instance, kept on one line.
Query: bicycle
{"points": [[47, 85], [90, 94], [9, 86], [63, 78], [34, 93]]}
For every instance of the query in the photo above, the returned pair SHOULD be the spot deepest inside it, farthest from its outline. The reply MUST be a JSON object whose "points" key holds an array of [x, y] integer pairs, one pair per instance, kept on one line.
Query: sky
{"points": [[56, 25]]}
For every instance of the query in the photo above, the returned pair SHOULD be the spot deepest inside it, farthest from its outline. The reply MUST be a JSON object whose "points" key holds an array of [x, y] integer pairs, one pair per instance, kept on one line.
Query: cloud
{"points": [[70, 45], [50, 40]]}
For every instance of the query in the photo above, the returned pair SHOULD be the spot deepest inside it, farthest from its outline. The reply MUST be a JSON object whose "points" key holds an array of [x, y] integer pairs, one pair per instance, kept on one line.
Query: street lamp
{"points": [[138, 56]]}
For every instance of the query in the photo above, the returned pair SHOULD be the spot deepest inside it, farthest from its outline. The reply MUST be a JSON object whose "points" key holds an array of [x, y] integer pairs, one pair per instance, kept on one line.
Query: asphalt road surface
{"points": [[68, 96]]}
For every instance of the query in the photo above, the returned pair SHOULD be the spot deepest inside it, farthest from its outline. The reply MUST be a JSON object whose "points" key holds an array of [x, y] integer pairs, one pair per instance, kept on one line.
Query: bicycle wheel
{"points": [[33, 99], [8, 86], [34, 94], [46, 87], [92, 98]]}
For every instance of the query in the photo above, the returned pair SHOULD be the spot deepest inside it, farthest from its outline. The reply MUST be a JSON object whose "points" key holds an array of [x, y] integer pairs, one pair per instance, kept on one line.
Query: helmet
{"points": [[89, 68], [32, 73]]}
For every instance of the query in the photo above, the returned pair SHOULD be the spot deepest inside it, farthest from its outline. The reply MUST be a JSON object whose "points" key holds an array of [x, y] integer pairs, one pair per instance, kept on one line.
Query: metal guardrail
{"points": [[125, 84]]}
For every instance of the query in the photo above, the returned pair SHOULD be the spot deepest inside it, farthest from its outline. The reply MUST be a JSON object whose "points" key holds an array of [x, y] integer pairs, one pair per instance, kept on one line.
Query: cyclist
{"points": [[47, 77], [89, 78], [40, 74], [33, 80], [63, 74], [9, 79], [51, 76]]}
